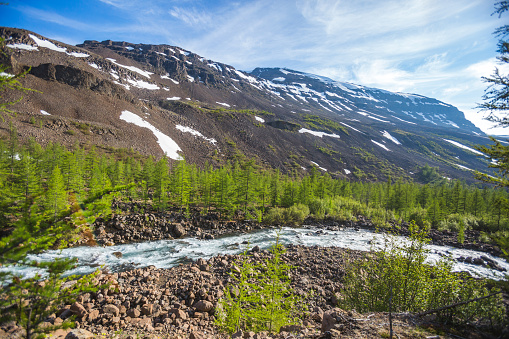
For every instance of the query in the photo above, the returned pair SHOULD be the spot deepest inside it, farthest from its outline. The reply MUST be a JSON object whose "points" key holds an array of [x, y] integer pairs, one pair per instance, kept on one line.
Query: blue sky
{"points": [[436, 48]]}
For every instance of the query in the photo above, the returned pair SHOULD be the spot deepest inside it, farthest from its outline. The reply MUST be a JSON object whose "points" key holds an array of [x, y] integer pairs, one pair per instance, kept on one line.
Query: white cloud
{"points": [[191, 17]]}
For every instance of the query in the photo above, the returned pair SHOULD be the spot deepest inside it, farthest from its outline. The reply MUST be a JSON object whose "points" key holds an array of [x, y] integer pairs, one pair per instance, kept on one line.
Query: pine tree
{"points": [[275, 188], [161, 182], [28, 177], [56, 196]]}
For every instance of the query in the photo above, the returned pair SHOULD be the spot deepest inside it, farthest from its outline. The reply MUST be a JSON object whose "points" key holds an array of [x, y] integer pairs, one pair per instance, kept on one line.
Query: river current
{"points": [[168, 253]]}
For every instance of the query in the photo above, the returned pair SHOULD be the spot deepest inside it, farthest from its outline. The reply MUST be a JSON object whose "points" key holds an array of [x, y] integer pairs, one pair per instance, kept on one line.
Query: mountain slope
{"points": [[160, 99]]}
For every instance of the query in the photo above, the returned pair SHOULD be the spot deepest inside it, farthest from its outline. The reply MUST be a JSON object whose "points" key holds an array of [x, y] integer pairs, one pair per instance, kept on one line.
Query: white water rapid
{"points": [[168, 253]]}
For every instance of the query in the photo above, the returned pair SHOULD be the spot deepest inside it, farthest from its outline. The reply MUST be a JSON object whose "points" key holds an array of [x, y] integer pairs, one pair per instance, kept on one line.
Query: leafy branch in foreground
{"points": [[398, 272], [259, 296], [31, 301]]}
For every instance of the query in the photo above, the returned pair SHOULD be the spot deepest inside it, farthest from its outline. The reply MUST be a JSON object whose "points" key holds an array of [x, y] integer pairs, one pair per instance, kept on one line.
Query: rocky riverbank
{"points": [[129, 227], [180, 302]]}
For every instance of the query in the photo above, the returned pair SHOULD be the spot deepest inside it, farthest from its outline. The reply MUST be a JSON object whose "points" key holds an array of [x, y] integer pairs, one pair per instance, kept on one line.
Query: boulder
{"points": [[80, 333], [133, 313], [78, 309], [328, 321], [93, 314], [147, 309], [111, 309], [178, 231], [203, 306]]}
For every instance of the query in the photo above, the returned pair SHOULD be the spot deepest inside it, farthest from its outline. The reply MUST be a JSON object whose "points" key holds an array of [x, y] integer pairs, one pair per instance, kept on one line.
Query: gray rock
{"points": [[111, 309], [203, 306], [79, 333]]}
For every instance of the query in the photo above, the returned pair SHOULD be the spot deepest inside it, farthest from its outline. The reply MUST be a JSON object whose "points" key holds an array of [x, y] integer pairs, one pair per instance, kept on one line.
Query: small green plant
{"points": [[260, 297], [70, 132]]}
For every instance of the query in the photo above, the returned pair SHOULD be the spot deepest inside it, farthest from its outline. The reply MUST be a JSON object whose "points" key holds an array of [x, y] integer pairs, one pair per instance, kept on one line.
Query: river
{"points": [[168, 253]]}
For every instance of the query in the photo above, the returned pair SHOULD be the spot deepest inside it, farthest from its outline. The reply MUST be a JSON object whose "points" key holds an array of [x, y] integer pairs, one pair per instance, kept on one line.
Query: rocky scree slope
{"points": [[161, 99]]}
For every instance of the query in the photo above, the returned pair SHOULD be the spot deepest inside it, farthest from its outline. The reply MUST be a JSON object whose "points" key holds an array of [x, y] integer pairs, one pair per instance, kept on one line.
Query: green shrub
{"points": [[274, 216], [419, 216], [454, 222], [296, 214], [259, 298], [398, 271], [292, 215]]}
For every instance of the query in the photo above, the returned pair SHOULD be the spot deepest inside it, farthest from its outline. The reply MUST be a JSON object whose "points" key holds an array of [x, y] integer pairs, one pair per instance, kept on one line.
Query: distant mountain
{"points": [[161, 99], [372, 103]]}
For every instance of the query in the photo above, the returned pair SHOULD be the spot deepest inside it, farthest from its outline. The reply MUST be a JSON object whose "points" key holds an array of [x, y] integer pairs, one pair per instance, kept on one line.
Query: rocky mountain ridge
{"points": [[161, 99]]}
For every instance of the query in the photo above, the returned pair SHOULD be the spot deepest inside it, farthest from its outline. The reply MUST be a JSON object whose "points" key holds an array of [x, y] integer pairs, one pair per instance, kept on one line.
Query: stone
{"points": [[133, 313], [328, 321], [78, 309], [203, 306], [79, 333], [178, 231], [197, 335], [147, 309], [478, 261], [111, 309], [66, 314], [238, 334], [145, 323], [117, 254], [93, 314], [180, 314], [290, 328]]}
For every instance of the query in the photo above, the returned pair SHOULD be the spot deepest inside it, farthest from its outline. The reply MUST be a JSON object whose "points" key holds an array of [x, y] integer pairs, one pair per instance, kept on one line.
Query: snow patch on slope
{"points": [[132, 68], [142, 84], [457, 144], [195, 133], [381, 145], [23, 46], [318, 134], [390, 137], [169, 147], [314, 163], [49, 45]]}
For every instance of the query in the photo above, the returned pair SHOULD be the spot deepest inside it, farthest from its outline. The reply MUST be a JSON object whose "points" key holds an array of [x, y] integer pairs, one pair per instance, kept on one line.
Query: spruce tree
{"points": [[56, 196]]}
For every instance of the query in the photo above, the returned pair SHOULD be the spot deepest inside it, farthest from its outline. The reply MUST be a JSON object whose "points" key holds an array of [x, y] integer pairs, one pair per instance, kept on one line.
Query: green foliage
{"points": [[327, 150], [259, 298], [397, 272], [292, 215], [496, 96], [427, 174], [31, 301], [317, 123]]}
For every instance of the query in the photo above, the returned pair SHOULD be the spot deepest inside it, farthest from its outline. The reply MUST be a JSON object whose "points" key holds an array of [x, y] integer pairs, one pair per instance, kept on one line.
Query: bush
{"points": [[292, 215], [398, 271], [341, 208], [419, 216], [259, 297], [456, 222]]}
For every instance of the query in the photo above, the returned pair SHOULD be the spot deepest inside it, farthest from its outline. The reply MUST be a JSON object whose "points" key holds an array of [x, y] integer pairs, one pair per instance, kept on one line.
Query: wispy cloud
{"points": [[192, 17]]}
